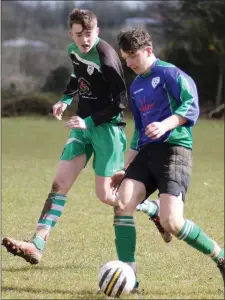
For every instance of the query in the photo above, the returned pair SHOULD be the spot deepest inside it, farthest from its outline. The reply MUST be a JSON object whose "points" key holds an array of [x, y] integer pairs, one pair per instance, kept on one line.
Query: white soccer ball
{"points": [[116, 278]]}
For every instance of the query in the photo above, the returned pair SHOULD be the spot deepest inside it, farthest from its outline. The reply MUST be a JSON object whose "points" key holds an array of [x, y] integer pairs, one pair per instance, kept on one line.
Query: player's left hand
{"points": [[76, 122], [155, 130]]}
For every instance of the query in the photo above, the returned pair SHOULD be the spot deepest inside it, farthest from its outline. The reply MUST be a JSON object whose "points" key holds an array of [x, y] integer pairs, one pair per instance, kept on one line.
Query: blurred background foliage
{"points": [[35, 36]]}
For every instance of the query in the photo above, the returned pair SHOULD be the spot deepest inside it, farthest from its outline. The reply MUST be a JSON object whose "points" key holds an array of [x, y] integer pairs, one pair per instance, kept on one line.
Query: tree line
{"points": [[191, 35]]}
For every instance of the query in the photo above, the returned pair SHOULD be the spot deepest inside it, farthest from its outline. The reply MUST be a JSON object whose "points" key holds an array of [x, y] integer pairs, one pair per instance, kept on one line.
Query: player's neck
{"points": [[151, 61]]}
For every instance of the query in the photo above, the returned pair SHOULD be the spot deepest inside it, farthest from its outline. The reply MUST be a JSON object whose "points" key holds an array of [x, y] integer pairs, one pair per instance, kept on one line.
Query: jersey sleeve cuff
{"points": [[89, 122], [66, 99], [189, 123], [134, 148]]}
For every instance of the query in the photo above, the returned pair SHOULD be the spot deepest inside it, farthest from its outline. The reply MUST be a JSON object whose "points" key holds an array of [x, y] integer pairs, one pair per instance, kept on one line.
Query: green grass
{"points": [[84, 238]]}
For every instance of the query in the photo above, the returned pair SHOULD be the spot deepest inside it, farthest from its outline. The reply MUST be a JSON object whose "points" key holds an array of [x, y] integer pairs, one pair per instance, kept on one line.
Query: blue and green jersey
{"points": [[164, 91]]}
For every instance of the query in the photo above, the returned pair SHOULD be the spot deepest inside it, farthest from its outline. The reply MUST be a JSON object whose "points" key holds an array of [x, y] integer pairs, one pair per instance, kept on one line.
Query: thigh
{"points": [[171, 212], [139, 170], [109, 145], [171, 206], [76, 145], [104, 191], [130, 194], [67, 172], [174, 169]]}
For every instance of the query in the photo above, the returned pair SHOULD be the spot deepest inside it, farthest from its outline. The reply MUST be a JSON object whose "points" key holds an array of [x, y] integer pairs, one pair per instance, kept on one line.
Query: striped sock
{"points": [[39, 242], [49, 217], [195, 237], [151, 208]]}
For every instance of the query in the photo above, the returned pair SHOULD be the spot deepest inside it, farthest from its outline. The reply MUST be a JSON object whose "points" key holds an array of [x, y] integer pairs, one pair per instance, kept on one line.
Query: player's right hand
{"points": [[58, 109], [116, 180]]}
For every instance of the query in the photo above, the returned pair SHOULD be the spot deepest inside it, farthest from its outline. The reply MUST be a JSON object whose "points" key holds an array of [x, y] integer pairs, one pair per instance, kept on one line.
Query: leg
{"points": [[171, 213], [131, 193], [149, 207], [74, 157], [172, 188], [152, 209], [171, 216], [104, 191], [66, 174], [109, 144], [136, 186]]}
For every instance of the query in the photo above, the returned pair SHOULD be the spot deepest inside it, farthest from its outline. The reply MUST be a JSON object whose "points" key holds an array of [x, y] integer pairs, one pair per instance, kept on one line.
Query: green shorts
{"points": [[107, 142]]}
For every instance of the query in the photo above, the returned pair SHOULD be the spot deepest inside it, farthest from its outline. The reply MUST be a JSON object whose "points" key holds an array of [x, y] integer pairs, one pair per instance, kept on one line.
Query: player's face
{"points": [[138, 61], [84, 39]]}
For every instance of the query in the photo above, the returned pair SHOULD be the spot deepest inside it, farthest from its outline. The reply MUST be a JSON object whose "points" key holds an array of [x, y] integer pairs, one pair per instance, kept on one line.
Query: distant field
{"points": [[80, 243]]}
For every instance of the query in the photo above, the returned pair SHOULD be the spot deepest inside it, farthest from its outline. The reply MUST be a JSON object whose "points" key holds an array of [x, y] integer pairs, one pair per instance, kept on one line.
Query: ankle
{"points": [[39, 242]]}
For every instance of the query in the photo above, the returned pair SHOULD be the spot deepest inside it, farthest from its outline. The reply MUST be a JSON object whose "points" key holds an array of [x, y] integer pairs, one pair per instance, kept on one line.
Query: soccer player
{"points": [[164, 103], [151, 208], [96, 129]]}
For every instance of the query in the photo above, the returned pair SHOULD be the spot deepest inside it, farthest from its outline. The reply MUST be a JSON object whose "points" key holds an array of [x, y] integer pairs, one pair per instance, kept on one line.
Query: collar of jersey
{"points": [[149, 72], [92, 49]]}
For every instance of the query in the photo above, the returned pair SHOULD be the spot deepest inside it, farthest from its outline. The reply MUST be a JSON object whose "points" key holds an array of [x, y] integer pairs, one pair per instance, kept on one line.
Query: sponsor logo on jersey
{"points": [[155, 81], [144, 106], [84, 87], [90, 69]]}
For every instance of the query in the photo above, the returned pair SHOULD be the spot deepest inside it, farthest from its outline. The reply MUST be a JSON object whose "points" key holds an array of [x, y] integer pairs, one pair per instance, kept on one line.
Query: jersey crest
{"points": [[90, 69], [155, 81]]}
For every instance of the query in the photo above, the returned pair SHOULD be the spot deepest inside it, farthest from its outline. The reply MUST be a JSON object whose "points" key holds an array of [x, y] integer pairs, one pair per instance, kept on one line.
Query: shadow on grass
{"points": [[83, 294], [41, 268]]}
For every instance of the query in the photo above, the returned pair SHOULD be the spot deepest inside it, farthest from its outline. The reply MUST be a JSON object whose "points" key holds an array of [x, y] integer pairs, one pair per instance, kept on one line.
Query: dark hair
{"points": [[84, 17], [133, 40]]}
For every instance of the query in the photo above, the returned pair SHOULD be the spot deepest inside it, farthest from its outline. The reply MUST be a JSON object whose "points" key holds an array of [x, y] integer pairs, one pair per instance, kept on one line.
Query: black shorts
{"points": [[162, 166]]}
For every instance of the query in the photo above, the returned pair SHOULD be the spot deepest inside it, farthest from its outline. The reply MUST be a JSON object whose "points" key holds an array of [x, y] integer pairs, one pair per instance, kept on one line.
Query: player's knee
{"points": [[124, 207], [171, 224], [60, 186], [120, 208]]}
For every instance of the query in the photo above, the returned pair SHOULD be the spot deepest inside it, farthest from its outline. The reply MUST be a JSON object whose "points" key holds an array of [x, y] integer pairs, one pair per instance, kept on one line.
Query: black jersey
{"points": [[98, 78]]}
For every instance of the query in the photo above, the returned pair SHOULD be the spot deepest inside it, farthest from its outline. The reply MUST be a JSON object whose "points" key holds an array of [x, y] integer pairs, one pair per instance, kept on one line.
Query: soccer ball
{"points": [[116, 278]]}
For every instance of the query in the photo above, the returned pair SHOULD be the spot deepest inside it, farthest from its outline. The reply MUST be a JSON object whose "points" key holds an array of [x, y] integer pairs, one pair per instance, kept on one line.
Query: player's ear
{"points": [[97, 30], [149, 50], [71, 34]]}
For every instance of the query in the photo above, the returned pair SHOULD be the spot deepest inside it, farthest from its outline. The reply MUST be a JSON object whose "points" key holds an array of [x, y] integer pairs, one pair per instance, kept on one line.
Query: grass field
{"points": [[84, 238]]}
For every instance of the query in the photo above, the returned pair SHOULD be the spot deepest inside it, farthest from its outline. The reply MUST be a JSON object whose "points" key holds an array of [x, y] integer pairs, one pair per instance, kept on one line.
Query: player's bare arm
{"points": [[156, 129]]}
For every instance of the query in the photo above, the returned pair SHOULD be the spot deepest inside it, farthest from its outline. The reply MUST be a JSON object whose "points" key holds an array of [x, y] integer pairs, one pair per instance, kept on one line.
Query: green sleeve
{"points": [[134, 140], [66, 99]]}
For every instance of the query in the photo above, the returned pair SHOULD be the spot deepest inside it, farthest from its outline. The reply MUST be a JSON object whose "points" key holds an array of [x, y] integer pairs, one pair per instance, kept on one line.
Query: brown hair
{"points": [[86, 18], [133, 40]]}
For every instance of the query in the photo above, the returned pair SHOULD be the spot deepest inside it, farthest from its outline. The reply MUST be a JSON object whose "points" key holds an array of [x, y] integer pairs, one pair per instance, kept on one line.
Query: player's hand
{"points": [[155, 130], [58, 109], [116, 180], [76, 122]]}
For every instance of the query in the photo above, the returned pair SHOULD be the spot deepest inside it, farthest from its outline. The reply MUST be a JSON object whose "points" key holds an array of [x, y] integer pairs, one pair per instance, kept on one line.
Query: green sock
{"points": [[195, 237], [50, 215], [125, 233], [151, 208]]}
